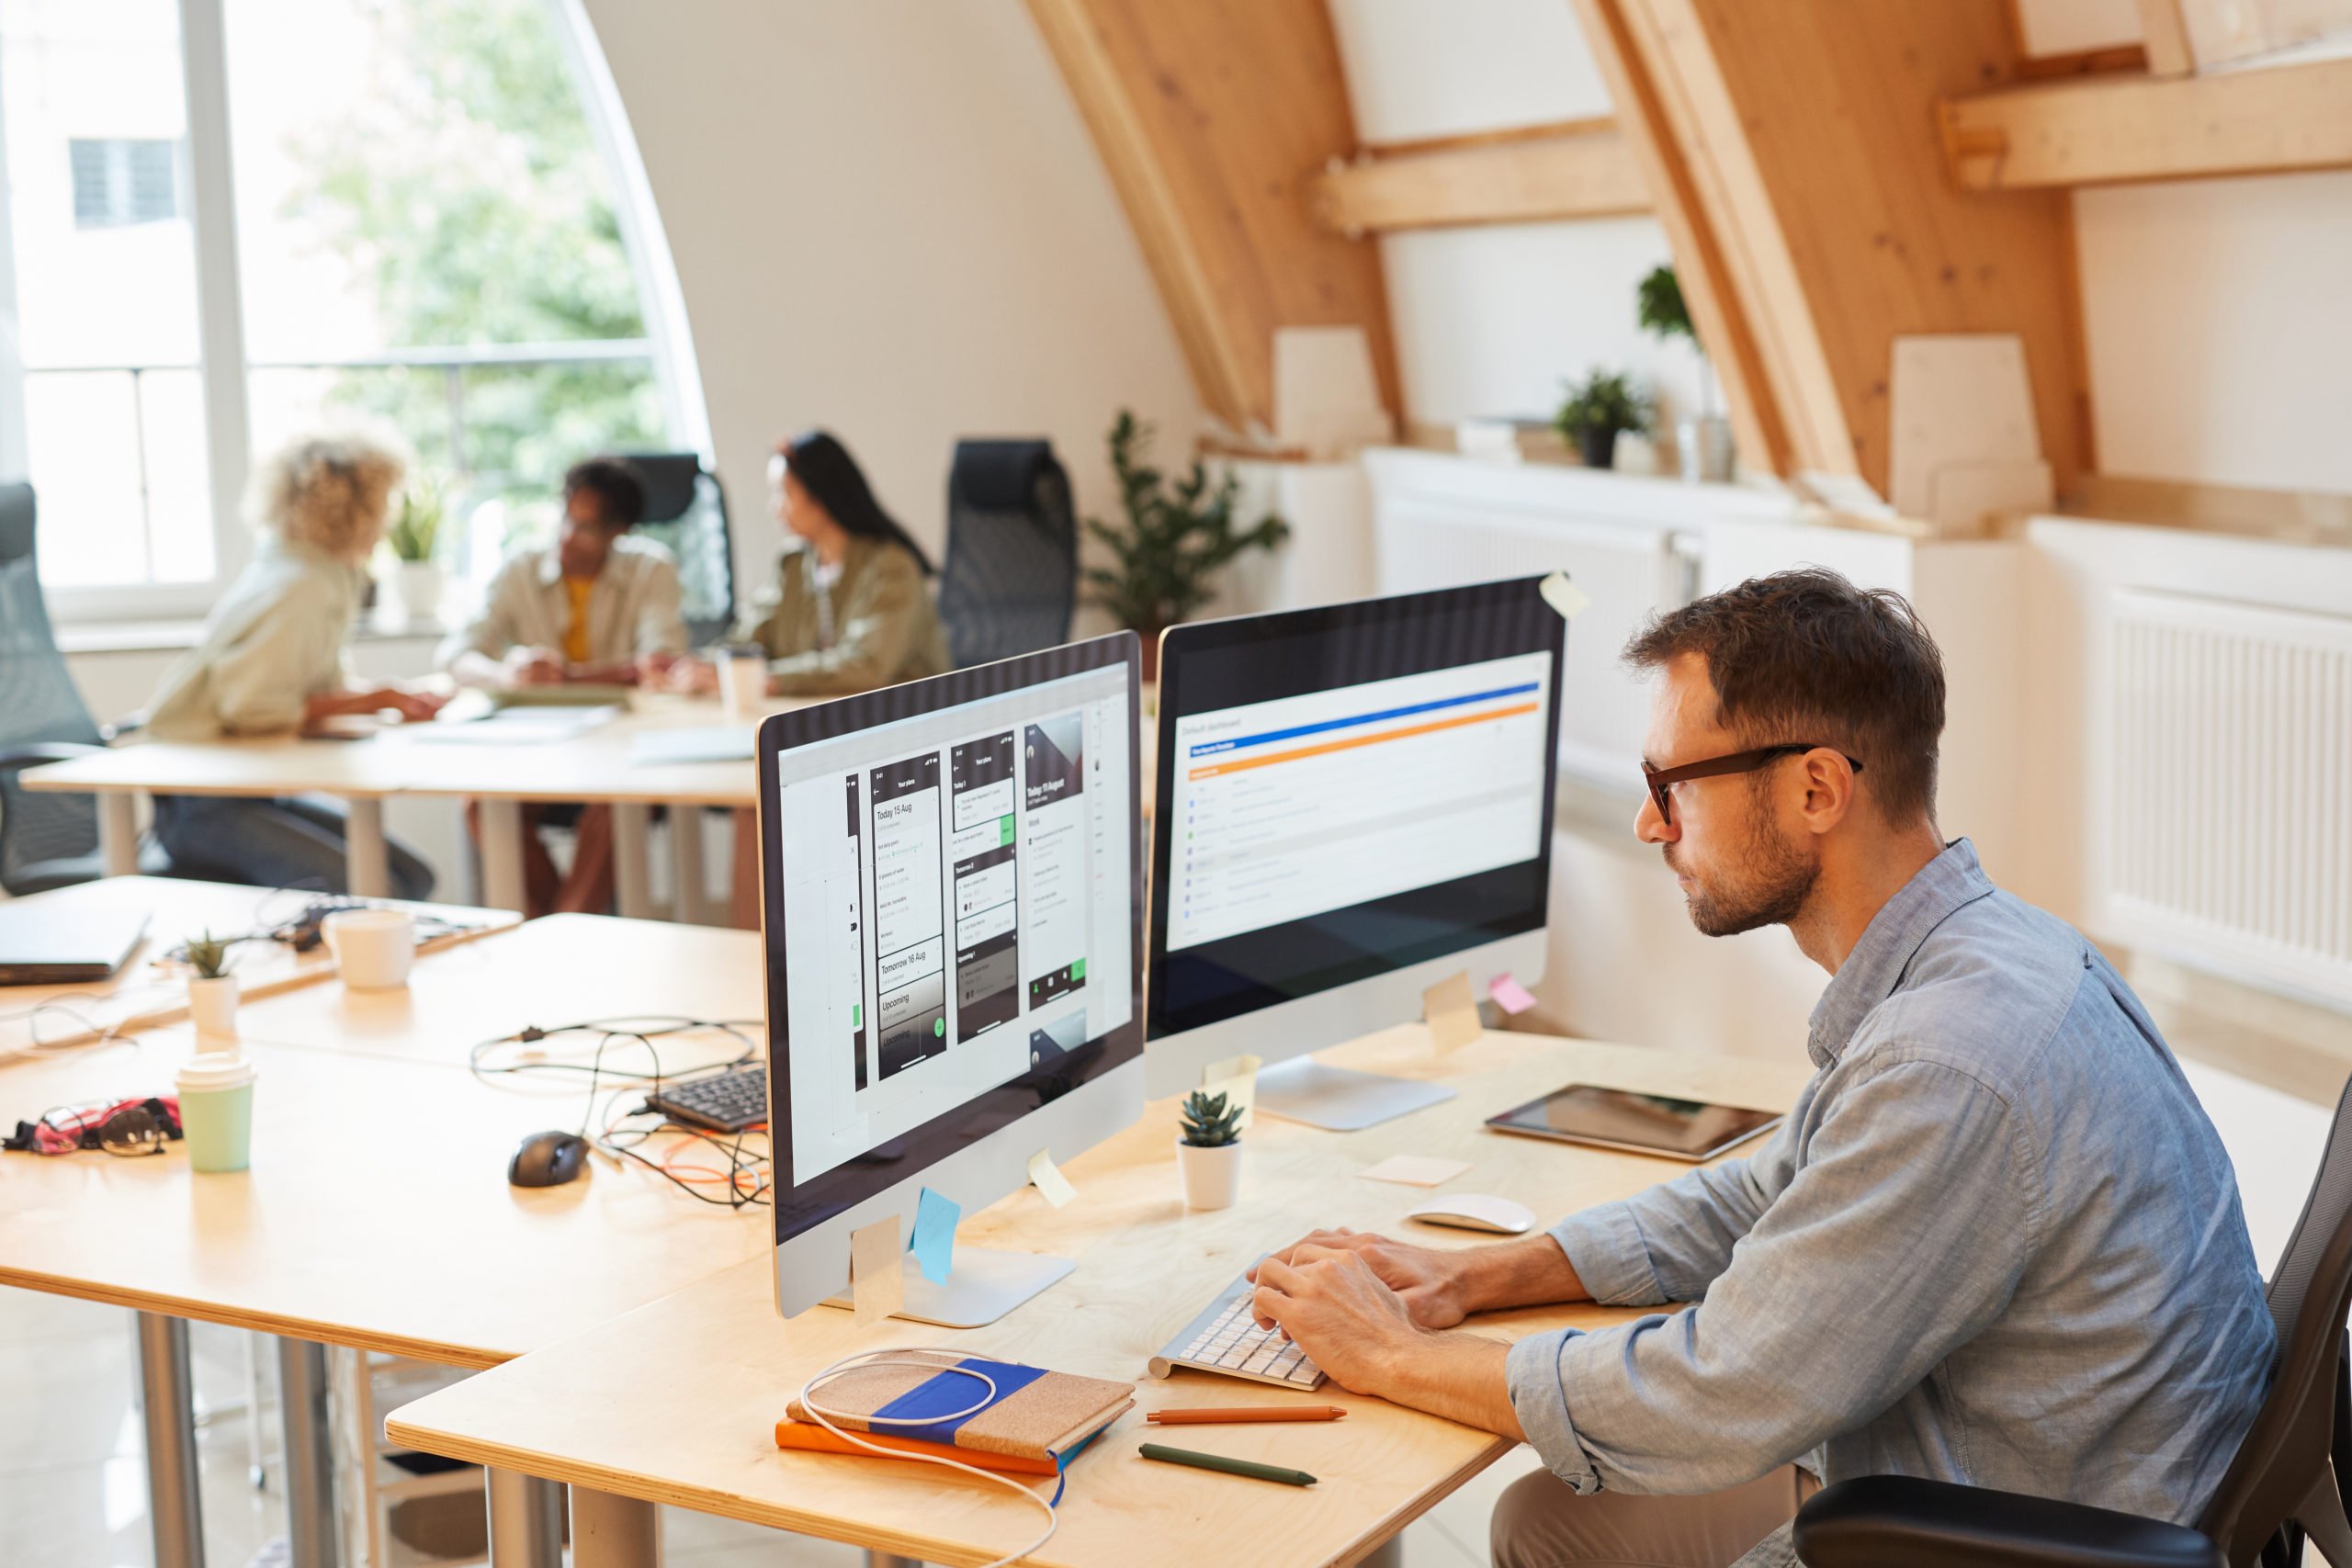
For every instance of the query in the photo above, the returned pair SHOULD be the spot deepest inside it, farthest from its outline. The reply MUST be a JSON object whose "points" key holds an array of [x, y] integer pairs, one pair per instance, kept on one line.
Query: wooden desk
{"points": [[673, 1403], [377, 1212], [150, 990]]}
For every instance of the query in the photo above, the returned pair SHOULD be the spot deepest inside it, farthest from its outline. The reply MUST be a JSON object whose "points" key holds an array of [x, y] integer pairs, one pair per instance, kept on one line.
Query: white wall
{"points": [[2218, 322], [889, 219], [1489, 321]]}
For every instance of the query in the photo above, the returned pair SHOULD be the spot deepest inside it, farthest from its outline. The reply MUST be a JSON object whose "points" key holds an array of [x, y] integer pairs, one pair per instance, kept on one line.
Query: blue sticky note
{"points": [[934, 1243]]}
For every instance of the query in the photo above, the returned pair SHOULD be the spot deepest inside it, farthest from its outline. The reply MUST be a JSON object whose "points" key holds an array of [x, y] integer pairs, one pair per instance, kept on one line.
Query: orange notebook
{"points": [[806, 1437]]}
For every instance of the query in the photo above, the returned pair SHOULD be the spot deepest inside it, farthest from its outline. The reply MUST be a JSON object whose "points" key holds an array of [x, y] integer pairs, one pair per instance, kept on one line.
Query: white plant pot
{"points": [[212, 1005], [1705, 449], [421, 584], [1212, 1175]]}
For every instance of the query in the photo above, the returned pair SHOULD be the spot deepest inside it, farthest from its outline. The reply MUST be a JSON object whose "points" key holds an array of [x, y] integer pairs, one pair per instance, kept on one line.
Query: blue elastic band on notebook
{"points": [[949, 1390]]}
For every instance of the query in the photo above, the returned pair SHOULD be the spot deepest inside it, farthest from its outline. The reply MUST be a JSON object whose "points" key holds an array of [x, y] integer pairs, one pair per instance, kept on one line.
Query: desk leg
{"points": [[502, 854], [1389, 1553], [632, 864], [889, 1560], [613, 1533], [525, 1520], [119, 832], [168, 1400], [692, 901], [366, 865], [310, 1453]]}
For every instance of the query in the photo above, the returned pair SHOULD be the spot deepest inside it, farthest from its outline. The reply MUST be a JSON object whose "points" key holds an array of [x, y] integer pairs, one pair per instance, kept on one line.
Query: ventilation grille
{"points": [[2229, 788]]}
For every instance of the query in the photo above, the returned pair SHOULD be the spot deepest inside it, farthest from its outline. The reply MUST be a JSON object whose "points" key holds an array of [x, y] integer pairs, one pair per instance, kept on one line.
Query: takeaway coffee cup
{"points": [[373, 948], [742, 682], [216, 1090]]}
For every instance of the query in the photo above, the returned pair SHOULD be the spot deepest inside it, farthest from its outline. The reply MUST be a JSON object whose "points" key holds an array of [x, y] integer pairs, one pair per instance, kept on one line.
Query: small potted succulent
{"points": [[212, 989], [1596, 411], [1209, 1151], [413, 536]]}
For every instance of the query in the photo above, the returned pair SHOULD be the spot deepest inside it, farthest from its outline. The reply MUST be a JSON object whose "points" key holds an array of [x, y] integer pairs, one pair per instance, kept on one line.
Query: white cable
{"points": [[877, 1359]]}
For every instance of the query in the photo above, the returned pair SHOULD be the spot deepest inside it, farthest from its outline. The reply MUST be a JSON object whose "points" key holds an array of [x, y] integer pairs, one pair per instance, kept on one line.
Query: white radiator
{"points": [[2228, 788]]}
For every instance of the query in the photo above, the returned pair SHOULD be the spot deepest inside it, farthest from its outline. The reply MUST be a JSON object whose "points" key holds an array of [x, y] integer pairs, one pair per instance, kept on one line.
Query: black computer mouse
{"points": [[548, 1159]]}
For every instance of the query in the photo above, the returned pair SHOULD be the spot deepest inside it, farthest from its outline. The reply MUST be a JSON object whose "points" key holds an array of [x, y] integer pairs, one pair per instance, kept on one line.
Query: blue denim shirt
{"points": [[1996, 1242]]}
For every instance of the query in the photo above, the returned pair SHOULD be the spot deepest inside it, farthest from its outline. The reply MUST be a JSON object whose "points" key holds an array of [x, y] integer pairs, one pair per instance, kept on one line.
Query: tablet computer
{"points": [[1646, 1123]]}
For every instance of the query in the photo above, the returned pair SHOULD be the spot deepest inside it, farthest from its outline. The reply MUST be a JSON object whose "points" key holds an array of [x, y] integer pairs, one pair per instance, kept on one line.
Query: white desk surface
{"points": [[675, 1403], [377, 1213], [149, 990]]}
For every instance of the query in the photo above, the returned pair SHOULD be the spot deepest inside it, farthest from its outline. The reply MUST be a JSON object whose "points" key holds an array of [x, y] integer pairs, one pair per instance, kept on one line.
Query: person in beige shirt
{"points": [[271, 661], [850, 610], [598, 607]]}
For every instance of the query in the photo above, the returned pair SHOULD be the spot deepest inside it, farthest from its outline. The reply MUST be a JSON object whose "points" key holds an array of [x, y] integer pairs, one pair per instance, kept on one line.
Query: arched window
{"points": [[230, 220]]}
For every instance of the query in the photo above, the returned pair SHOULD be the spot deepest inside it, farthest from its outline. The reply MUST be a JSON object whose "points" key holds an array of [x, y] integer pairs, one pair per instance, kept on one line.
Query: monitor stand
{"points": [[983, 1286], [1339, 1099]]}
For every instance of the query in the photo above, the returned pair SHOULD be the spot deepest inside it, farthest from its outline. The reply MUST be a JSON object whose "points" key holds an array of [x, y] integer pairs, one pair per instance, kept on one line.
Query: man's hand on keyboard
{"points": [[1332, 1303], [1426, 1280]]}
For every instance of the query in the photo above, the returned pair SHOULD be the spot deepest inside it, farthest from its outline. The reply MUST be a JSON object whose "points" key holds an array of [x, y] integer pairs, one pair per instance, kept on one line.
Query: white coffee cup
{"points": [[373, 948], [743, 685]]}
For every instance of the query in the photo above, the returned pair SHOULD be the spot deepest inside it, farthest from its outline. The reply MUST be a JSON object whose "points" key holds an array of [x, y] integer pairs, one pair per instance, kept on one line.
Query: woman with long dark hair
{"points": [[850, 610]]}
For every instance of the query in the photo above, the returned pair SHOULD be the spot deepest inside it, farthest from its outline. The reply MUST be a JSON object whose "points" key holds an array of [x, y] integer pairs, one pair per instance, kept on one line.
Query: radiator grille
{"points": [[2229, 788]]}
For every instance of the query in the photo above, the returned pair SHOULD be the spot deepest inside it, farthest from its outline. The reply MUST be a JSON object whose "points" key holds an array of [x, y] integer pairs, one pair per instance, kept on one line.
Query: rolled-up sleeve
{"points": [[1901, 1238]]}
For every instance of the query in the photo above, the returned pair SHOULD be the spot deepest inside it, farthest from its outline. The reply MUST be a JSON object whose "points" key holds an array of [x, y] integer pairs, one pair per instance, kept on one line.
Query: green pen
{"points": [[1230, 1466]]}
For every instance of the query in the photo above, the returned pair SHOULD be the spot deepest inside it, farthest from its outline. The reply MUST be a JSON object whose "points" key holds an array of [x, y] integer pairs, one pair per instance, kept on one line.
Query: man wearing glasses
{"points": [[1997, 1241]]}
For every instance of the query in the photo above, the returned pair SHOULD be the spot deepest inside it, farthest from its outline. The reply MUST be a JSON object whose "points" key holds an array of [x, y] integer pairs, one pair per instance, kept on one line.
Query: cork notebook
{"points": [[1034, 1414]]}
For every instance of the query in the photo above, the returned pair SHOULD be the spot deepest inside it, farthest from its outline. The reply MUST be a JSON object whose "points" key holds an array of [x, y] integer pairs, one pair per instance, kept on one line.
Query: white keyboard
{"points": [[1226, 1340]]}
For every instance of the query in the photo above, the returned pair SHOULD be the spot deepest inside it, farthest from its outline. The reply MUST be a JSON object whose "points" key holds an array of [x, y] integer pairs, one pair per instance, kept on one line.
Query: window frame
{"points": [[207, 190]]}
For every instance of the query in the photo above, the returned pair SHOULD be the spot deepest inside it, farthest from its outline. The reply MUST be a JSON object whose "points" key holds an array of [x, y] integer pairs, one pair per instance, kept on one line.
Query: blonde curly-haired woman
{"points": [[271, 661]]}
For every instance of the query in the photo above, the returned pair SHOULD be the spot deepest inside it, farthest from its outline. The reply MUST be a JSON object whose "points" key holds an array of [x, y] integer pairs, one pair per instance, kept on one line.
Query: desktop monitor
{"points": [[951, 914], [1352, 803]]}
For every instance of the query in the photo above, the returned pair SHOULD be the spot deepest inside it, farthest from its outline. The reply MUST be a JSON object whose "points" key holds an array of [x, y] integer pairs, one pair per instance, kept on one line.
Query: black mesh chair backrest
{"points": [[2287, 1468], [38, 702], [685, 513], [1011, 579]]}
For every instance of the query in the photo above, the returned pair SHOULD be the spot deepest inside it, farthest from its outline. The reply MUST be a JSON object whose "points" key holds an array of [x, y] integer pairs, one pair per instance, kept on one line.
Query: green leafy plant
{"points": [[208, 957], [1176, 537], [1208, 1122], [1604, 400], [417, 522], [1660, 308]]}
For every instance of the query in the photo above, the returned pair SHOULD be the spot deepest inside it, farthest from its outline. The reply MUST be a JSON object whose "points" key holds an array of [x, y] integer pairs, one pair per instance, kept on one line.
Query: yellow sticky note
{"points": [[1564, 596], [1451, 1012], [1236, 1077], [1049, 1179], [876, 1273]]}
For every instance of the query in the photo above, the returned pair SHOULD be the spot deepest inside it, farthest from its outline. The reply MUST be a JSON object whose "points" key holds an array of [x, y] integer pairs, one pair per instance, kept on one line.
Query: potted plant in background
{"points": [[1595, 411], [212, 989], [1703, 444], [414, 531], [1209, 1151], [1176, 539]]}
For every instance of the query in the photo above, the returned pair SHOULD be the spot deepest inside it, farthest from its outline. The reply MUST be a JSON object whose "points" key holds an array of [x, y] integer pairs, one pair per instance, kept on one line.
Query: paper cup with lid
{"points": [[216, 1090]]}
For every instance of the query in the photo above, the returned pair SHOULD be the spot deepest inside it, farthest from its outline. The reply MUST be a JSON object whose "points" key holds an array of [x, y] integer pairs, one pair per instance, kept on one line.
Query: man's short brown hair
{"points": [[1806, 655]]}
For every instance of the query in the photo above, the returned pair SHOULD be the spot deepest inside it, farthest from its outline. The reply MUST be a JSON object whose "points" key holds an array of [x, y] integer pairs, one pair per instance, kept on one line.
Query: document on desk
{"points": [[514, 727]]}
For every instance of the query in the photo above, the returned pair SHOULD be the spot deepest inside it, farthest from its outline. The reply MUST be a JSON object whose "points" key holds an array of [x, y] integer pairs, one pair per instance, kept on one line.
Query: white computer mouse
{"points": [[1477, 1211]]}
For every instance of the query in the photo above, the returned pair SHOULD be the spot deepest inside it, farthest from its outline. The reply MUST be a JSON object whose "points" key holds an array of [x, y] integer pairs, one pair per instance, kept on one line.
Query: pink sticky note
{"points": [[1509, 995]]}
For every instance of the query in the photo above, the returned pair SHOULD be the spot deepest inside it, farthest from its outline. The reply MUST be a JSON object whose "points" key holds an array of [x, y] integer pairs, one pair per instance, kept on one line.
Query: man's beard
{"points": [[1770, 888]]}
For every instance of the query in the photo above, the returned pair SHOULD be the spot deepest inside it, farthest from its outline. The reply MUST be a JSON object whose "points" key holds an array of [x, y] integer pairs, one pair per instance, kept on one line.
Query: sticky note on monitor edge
{"points": [[1236, 1077], [1048, 1178], [1451, 1012], [1509, 995], [877, 1273], [1564, 595], [933, 1242]]}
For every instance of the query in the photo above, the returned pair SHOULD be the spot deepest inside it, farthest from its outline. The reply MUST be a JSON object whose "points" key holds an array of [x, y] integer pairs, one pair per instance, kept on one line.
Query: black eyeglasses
{"points": [[1661, 779]]}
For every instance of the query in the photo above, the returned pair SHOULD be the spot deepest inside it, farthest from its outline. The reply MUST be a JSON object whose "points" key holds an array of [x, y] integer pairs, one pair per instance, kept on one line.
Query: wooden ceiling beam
{"points": [[1213, 118], [1802, 183], [1584, 170], [2259, 120]]}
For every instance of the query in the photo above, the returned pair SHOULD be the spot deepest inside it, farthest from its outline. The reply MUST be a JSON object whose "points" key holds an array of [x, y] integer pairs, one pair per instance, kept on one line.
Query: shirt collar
{"points": [[1875, 967]]}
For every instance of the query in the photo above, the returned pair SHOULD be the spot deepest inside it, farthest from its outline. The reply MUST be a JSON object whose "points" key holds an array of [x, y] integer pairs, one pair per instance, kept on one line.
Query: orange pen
{"points": [[1204, 1414]]}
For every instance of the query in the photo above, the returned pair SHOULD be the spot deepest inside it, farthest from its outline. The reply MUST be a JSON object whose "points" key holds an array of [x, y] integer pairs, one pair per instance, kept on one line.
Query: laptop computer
{"points": [[47, 947]]}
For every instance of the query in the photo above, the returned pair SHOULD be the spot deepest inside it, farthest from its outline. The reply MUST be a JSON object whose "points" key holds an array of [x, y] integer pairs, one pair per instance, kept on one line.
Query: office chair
{"points": [[1011, 579], [46, 840], [685, 513], [2286, 1482]]}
